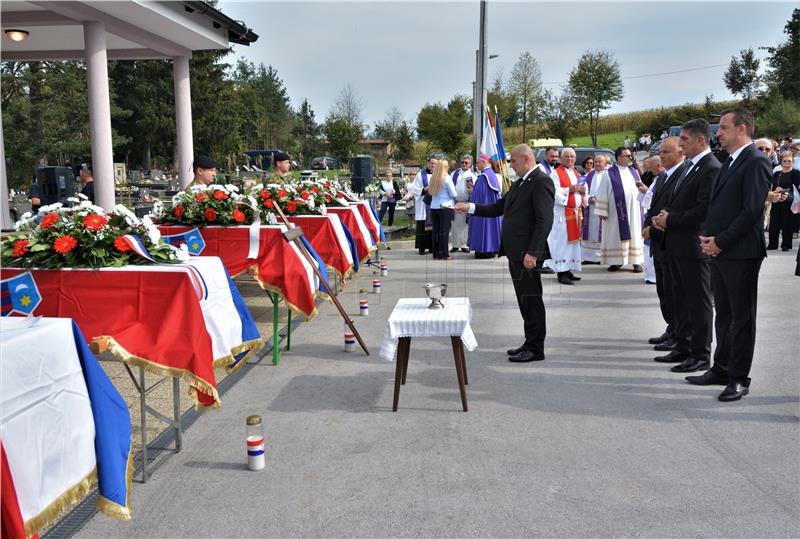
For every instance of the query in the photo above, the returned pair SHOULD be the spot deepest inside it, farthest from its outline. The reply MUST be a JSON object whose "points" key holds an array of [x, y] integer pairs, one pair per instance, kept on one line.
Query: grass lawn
{"points": [[609, 140]]}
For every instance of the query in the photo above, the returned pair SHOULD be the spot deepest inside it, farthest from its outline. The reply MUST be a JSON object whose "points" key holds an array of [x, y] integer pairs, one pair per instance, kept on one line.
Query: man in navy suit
{"points": [[733, 236]]}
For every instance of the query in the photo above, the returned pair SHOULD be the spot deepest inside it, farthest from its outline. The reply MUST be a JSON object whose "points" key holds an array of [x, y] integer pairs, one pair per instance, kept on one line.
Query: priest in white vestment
{"points": [[618, 207], [592, 225], [463, 178], [565, 235]]}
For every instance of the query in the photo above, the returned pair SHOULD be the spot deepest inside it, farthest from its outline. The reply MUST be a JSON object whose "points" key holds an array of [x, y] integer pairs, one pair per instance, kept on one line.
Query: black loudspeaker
{"points": [[56, 184], [362, 169]]}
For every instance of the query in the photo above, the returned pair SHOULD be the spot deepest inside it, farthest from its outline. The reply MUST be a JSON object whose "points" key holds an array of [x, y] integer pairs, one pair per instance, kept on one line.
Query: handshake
{"points": [[462, 207]]}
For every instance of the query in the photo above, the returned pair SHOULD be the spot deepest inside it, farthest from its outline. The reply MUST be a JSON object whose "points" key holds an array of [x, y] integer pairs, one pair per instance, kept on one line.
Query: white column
{"points": [[94, 38], [5, 217], [183, 118]]}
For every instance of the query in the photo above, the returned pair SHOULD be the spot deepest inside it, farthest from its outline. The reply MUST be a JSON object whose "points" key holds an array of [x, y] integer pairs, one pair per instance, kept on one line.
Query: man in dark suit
{"points": [[671, 158], [680, 222], [527, 211], [734, 238]]}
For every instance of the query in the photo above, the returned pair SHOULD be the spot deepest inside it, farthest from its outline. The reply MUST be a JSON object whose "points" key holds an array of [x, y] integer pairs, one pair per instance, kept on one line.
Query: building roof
{"points": [[135, 29]]}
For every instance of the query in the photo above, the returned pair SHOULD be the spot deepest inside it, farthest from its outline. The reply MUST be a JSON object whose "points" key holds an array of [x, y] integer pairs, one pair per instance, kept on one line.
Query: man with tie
{"points": [[527, 211], [680, 222], [734, 239], [671, 158]]}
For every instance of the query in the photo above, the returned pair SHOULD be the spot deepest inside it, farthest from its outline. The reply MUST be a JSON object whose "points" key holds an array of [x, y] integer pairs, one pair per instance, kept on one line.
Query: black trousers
{"points": [[735, 285], [781, 221], [441, 218], [663, 289], [384, 206], [691, 296], [423, 239], [528, 289]]}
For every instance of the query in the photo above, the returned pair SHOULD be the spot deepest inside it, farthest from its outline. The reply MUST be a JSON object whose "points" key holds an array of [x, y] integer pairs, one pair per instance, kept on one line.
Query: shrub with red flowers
{"points": [[214, 204], [83, 236]]}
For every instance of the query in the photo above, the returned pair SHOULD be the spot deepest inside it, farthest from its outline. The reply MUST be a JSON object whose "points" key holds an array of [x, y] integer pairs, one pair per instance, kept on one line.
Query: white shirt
{"points": [[735, 154], [696, 159], [521, 179]]}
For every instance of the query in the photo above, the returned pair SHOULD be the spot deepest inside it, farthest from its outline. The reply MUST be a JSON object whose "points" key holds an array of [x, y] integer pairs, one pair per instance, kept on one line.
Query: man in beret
{"points": [[205, 171], [283, 164]]}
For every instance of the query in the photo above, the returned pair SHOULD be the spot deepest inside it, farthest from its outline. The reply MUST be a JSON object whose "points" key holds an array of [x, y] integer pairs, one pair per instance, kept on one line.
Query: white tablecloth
{"points": [[412, 318]]}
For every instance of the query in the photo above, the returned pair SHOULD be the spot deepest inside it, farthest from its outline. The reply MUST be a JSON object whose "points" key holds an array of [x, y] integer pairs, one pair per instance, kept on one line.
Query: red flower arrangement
{"points": [[220, 195], [49, 220], [121, 245], [210, 214], [94, 222], [20, 248], [178, 210], [64, 244], [239, 216], [213, 204]]}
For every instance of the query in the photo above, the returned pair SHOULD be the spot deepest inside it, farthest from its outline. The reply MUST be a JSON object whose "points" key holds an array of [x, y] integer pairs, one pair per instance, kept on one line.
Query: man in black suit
{"points": [[680, 221], [671, 158], [527, 211], [734, 238]]}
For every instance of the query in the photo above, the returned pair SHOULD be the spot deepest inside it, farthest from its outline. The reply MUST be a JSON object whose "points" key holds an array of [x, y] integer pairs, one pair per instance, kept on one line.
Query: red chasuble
{"points": [[573, 226]]}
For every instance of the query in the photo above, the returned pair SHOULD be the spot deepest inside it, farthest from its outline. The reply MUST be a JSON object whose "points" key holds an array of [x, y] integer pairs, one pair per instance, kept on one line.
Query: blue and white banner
{"points": [[192, 238], [19, 294]]}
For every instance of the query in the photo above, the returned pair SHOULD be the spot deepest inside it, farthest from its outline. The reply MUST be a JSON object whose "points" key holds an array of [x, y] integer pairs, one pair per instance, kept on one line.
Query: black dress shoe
{"points": [[733, 392], [572, 276], [691, 364], [708, 378], [613, 268], [672, 357], [658, 340], [454, 250], [465, 249], [547, 270], [563, 279], [515, 351], [637, 268], [525, 356], [665, 346]]}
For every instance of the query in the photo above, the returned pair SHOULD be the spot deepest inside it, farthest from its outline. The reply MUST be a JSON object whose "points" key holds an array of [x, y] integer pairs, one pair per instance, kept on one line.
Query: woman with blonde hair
{"points": [[443, 199]]}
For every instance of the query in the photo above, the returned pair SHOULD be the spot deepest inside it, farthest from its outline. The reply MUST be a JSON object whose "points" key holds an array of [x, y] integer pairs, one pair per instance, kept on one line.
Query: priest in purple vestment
{"points": [[484, 232]]}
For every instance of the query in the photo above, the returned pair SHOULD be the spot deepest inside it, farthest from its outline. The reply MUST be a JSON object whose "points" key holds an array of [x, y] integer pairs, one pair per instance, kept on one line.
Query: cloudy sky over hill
{"points": [[406, 54]]}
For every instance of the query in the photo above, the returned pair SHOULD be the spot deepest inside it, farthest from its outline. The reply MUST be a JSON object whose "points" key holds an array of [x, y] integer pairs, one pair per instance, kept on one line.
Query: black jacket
{"points": [[687, 209], [736, 208], [395, 188], [527, 211], [659, 201]]}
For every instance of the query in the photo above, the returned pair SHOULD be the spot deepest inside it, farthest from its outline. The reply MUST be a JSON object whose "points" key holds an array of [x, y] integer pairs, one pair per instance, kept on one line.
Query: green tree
{"points": [[404, 143], [445, 126], [561, 114], [500, 96], [781, 116], [742, 76], [526, 87], [783, 76], [267, 119], [595, 83], [342, 136], [306, 132], [215, 119], [389, 128]]}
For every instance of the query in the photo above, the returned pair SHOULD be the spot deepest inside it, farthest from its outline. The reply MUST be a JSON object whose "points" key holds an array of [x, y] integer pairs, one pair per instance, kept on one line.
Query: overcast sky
{"points": [[407, 54]]}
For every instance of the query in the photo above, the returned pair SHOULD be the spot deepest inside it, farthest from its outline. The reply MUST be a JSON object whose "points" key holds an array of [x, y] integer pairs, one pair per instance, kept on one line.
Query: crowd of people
{"points": [[694, 226]]}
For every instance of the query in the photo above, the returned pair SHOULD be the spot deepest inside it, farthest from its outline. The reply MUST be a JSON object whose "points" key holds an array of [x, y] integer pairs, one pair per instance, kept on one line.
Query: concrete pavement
{"points": [[598, 440]]}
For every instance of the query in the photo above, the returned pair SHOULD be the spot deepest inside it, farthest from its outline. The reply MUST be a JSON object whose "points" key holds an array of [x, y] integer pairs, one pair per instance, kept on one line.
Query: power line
{"points": [[659, 74]]}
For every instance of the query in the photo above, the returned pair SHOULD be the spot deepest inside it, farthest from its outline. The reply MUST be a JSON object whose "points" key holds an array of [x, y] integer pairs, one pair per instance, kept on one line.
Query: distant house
{"points": [[379, 149]]}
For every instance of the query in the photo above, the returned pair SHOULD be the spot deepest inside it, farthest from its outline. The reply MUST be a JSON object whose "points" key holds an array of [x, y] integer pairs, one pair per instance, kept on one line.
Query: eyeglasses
{"points": [[465, 162]]}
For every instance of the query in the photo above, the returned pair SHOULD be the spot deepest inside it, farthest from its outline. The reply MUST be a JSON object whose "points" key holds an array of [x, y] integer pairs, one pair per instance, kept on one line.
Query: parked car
{"points": [[655, 148], [325, 162], [581, 153]]}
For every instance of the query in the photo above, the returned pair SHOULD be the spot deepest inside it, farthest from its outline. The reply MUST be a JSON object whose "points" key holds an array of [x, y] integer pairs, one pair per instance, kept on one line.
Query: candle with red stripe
{"points": [[256, 460], [363, 307], [376, 286], [384, 269], [349, 340]]}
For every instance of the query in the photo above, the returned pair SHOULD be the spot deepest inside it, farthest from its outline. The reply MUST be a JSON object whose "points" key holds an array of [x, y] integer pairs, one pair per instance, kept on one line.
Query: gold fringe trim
{"points": [[253, 270], [193, 380], [61, 504], [113, 509], [251, 347]]}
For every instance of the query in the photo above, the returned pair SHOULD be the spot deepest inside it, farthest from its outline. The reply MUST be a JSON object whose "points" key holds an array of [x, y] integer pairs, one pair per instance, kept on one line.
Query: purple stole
{"points": [[585, 231], [491, 179], [547, 168], [619, 200], [456, 174]]}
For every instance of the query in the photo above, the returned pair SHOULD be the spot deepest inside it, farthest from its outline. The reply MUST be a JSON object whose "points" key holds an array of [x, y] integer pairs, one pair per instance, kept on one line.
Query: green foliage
{"points": [[595, 83], [526, 88], [267, 121], [404, 142], [445, 126], [607, 140], [307, 133], [784, 61], [742, 76], [342, 136], [561, 115], [781, 116]]}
